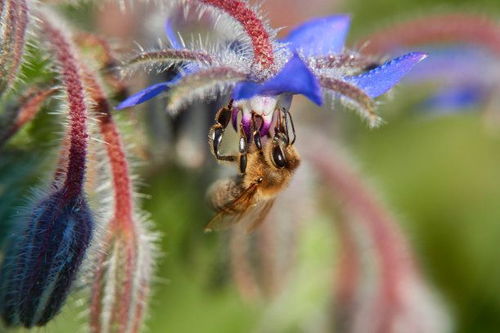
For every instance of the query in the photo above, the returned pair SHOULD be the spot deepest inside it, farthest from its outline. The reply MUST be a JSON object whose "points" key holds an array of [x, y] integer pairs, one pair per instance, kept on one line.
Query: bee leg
{"points": [[222, 119], [243, 148], [289, 116], [256, 139], [256, 132]]}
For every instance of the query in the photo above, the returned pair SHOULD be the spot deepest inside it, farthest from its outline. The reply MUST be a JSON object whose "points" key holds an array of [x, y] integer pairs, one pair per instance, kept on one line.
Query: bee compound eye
{"points": [[278, 157]]}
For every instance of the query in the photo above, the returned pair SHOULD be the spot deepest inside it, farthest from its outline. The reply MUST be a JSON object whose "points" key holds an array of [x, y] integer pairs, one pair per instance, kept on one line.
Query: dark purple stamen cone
{"points": [[42, 260]]}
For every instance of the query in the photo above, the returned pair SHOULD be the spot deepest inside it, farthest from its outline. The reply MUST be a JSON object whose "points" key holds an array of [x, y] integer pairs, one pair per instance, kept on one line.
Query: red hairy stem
{"points": [[122, 233], [122, 184], [141, 305], [125, 285], [116, 272], [393, 256], [253, 26], [71, 79], [348, 276], [19, 39], [62, 162], [96, 307], [105, 57], [27, 111], [351, 61], [8, 39], [458, 27]]}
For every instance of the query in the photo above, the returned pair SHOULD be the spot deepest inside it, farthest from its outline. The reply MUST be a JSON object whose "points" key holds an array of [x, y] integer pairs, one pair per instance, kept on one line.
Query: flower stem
{"points": [[20, 33], [106, 59], [391, 250], [26, 112], [72, 82], [253, 26], [14, 26], [456, 27], [122, 186]]}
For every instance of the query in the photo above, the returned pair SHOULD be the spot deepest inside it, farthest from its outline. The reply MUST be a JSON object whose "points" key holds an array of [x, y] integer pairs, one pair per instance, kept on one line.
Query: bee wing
{"points": [[259, 214], [254, 215], [224, 220]]}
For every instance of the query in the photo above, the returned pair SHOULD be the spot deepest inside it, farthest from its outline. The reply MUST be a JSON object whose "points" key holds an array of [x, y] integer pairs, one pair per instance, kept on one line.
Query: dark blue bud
{"points": [[42, 260]]}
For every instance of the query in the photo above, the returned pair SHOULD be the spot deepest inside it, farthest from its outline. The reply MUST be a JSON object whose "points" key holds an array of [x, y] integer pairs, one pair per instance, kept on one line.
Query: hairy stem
{"points": [[19, 41], [72, 82], [457, 27], [14, 27], [392, 253], [26, 112], [363, 103], [170, 56], [120, 270], [351, 61], [122, 185], [253, 26], [105, 58]]}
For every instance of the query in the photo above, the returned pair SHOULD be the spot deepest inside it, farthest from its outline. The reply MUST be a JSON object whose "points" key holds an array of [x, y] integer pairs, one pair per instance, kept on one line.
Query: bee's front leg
{"points": [[216, 132], [256, 131], [243, 149]]}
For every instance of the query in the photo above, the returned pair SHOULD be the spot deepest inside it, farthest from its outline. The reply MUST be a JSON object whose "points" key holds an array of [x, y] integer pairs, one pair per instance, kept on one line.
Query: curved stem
{"points": [[122, 184], [19, 41], [107, 60], [457, 27], [253, 25], [71, 80], [26, 112], [391, 250]]}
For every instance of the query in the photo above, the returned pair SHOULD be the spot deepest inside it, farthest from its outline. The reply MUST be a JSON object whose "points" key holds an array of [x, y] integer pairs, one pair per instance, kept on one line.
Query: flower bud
{"points": [[43, 259]]}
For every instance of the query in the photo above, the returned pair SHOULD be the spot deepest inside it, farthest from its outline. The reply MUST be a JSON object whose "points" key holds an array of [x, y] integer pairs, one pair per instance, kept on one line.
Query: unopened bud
{"points": [[43, 259]]}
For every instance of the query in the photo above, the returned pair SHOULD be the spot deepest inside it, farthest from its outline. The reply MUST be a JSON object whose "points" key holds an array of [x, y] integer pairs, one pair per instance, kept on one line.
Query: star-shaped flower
{"points": [[262, 73]]}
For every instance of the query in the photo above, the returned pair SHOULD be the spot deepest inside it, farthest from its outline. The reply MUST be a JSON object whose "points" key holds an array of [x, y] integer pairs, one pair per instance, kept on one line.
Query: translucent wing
{"points": [[253, 215], [259, 214]]}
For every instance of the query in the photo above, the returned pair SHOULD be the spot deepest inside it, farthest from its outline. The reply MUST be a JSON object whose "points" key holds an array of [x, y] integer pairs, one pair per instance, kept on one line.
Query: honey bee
{"points": [[266, 166]]}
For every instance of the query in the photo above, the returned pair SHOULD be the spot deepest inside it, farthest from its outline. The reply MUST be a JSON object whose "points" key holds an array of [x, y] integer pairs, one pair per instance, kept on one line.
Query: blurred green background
{"points": [[439, 174]]}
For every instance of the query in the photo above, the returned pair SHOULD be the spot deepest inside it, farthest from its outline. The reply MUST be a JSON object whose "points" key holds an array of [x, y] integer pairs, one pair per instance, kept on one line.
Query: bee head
{"points": [[282, 153]]}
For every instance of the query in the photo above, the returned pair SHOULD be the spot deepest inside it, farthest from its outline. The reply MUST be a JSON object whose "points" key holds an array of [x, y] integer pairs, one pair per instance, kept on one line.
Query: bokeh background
{"points": [[438, 172]]}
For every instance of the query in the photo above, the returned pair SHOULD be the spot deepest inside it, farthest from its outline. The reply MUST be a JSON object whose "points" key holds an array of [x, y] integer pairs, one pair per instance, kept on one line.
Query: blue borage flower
{"points": [[311, 61]]}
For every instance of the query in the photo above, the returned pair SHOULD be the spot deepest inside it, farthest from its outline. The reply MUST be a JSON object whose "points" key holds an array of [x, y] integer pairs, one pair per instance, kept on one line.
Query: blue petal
{"points": [[457, 97], [172, 36], [144, 95], [295, 78], [320, 36], [379, 80]]}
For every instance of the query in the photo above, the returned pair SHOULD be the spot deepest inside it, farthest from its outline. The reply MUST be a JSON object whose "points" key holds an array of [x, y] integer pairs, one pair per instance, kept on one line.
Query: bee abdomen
{"points": [[222, 193]]}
